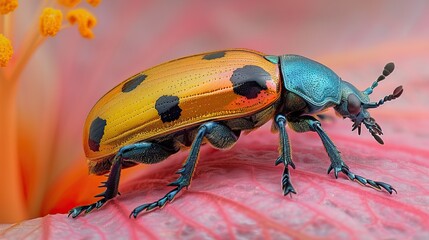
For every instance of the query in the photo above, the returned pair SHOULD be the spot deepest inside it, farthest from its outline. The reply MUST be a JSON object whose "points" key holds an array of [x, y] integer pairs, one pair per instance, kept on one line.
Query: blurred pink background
{"points": [[355, 39]]}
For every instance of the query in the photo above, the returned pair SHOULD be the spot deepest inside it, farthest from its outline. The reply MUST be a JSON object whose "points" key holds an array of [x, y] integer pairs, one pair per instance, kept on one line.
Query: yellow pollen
{"points": [[7, 6], [94, 3], [6, 50], [69, 3], [85, 21], [50, 22]]}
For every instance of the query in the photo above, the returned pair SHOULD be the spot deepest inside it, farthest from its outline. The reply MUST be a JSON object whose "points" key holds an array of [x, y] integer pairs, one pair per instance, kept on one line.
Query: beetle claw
{"points": [[75, 211], [330, 169], [286, 184], [337, 168], [368, 182], [138, 209], [278, 161], [157, 204], [387, 187], [87, 208], [292, 164], [335, 171]]}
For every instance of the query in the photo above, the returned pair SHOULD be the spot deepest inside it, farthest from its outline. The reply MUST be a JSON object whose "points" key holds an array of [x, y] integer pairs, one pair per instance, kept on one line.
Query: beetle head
{"points": [[354, 104]]}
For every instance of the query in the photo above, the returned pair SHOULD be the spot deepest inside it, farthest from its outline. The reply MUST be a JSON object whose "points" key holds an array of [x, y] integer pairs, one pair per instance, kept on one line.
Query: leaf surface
{"points": [[237, 193]]}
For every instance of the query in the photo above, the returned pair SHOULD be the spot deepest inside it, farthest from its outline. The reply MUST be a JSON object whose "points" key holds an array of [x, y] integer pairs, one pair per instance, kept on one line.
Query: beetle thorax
{"points": [[317, 85]]}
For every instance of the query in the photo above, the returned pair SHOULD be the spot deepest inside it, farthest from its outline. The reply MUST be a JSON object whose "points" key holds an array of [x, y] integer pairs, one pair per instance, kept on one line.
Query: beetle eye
{"points": [[353, 104]]}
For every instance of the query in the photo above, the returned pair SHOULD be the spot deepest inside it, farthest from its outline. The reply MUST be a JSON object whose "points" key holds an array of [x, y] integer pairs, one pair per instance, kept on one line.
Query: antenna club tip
{"points": [[398, 91], [388, 69], [390, 66]]}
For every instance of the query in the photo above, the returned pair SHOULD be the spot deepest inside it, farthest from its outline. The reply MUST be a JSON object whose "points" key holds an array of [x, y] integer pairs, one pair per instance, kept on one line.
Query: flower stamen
{"points": [[7, 6], [50, 22], [6, 50], [85, 20], [94, 3]]}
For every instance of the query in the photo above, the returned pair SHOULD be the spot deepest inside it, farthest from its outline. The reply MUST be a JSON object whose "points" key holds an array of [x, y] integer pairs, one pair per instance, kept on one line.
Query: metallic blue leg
{"points": [[137, 152], [218, 135], [285, 155], [338, 165]]}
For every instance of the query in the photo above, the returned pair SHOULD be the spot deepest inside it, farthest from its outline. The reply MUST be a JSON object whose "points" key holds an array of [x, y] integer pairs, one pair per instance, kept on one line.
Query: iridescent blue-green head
{"points": [[354, 104], [321, 88]]}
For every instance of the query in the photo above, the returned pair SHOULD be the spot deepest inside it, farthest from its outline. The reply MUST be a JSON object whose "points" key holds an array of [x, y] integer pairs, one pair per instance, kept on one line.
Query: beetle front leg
{"points": [[337, 164], [285, 155]]}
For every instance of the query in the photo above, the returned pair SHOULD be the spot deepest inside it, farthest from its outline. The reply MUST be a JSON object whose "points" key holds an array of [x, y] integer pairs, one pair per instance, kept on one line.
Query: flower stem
{"points": [[12, 204], [6, 25]]}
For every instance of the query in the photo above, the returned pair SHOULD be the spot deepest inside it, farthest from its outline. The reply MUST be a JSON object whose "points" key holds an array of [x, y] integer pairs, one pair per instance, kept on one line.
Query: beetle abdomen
{"points": [[179, 94]]}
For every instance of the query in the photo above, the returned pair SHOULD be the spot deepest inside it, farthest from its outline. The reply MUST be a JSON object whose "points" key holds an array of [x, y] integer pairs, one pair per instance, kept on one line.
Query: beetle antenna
{"points": [[396, 93], [388, 69]]}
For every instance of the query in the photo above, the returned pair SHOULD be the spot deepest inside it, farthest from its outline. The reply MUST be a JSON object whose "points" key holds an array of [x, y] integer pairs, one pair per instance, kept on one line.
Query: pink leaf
{"points": [[237, 193]]}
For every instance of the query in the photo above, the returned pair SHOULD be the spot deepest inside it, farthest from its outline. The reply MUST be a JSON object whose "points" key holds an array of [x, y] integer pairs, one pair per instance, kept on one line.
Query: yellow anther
{"points": [[94, 3], [69, 3], [85, 21], [7, 6], [6, 50], [50, 22]]}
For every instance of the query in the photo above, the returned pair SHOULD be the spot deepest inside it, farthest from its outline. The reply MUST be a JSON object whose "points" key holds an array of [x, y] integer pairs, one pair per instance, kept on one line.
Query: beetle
{"points": [[212, 97]]}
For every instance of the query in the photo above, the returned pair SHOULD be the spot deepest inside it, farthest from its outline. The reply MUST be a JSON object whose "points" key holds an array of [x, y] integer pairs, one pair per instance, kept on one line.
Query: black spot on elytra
{"points": [[168, 108], [249, 81], [215, 55], [96, 132], [133, 83]]}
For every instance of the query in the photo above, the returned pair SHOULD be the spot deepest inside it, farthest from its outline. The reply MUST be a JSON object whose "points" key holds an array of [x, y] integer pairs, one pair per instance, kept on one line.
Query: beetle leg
{"points": [[285, 155], [337, 164], [111, 189], [142, 152], [220, 136], [368, 182]]}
